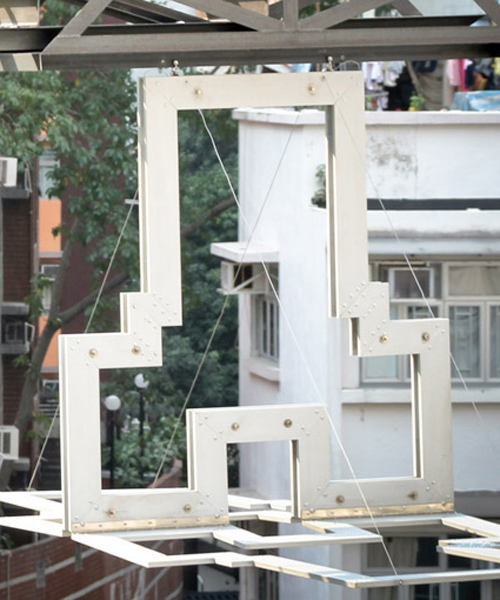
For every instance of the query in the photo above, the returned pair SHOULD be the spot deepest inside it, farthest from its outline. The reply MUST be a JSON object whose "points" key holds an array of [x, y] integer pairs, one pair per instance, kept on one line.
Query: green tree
{"points": [[89, 120], [205, 200]]}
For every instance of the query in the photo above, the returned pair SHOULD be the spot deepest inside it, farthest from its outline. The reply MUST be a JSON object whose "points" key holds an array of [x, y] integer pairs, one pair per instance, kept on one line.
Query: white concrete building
{"points": [[444, 165]]}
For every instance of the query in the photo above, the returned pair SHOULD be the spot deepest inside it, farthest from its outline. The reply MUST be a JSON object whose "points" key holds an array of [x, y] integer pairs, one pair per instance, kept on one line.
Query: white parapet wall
{"points": [[410, 156], [432, 155]]}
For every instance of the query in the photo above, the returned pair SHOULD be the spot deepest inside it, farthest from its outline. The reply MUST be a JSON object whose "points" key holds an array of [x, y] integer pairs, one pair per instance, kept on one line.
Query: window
{"points": [[49, 273], [46, 166], [265, 320], [468, 294], [414, 555]]}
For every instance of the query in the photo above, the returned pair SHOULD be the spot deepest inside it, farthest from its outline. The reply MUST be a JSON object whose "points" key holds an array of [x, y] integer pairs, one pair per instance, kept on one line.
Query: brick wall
{"points": [[18, 249], [60, 569], [56, 569]]}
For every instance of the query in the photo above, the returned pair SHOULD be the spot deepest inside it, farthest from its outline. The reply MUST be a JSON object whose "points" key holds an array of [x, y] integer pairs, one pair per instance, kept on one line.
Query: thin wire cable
{"points": [[301, 353], [225, 303], [423, 296], [412, 270], [101, 289], [44, 445], [425, 299], [110, 265], [191, 388], [297, 344], [332, 425]]}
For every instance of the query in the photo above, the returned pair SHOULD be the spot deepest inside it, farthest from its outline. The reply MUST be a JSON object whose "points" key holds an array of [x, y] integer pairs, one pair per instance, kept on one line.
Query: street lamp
{"points": [[112, 404], [141, 384]]}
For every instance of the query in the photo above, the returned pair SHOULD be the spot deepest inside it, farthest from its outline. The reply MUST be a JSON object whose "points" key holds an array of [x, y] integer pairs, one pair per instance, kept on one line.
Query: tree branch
{"points": [[215, 211], [79, 307]]}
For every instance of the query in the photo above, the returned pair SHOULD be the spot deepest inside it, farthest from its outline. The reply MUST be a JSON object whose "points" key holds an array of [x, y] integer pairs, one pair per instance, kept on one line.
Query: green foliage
{"points": [[6, 542], [89, 120], [138, 459], [417, 102], [41, 426], [202, 186], [319, 198]]}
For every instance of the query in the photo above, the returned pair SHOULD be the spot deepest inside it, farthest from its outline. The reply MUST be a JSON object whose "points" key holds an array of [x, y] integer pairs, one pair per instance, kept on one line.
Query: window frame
{"points": [[444, 588], [269, 302], [444, 302]]}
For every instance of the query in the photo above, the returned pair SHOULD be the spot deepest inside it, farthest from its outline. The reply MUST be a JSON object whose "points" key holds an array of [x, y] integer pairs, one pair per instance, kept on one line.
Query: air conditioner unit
{"points": [[14, 332], [402, 282], [238, 278], [49, 270], [50, 385], [9, 442], [8, 171]]}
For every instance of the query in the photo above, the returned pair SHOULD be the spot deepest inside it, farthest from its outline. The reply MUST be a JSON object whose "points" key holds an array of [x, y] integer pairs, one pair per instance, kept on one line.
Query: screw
{"points": [[340, 499], [93, 353], [111, 512], [235, 426], [287, 422], [426, 336], [413, 496], [187, 508], [198, 93], [136, 350], [311, 89], [383, 339]]}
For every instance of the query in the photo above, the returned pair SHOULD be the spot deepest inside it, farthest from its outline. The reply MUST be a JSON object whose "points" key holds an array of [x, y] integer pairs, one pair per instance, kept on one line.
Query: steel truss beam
{"points": [[143, 48], [152, 35]]}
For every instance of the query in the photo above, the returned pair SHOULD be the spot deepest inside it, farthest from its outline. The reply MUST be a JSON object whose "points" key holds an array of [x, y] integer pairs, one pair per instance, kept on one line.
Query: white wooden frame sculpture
{"points": [[87, 506], [116, 520]]}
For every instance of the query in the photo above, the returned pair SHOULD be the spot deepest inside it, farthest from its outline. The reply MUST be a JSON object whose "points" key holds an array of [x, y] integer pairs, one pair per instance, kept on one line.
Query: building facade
{"points": [[433, 189]]}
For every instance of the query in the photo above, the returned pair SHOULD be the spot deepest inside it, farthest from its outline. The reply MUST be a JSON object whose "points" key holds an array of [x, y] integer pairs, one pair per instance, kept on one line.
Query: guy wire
{"points": [[101, 289]]}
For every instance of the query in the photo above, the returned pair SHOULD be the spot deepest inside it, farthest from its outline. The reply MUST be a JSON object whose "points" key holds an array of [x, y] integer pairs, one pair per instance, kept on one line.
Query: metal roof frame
{"points": [[150, 35]]}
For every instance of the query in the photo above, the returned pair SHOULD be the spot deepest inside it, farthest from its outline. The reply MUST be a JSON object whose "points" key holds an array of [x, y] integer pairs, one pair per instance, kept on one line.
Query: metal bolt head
{"points": [[311, 89], [426, 336], [188, 508], [93, 353], [413, 495], [287, 422], [198, 93], [111, 512], [340, 499], [383, 339], [136, 350], [235, 426]]}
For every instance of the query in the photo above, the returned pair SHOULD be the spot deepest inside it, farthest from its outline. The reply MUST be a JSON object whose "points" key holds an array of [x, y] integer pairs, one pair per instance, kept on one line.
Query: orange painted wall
{"points": [[49, 217], [52, 356]]}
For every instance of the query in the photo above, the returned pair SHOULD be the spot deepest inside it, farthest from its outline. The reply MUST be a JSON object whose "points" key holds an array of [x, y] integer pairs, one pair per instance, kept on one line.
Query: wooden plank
{"points": [[356, 581], [247, 502], [472, 548], [134, 553], [428, 578], [275, 516], [31, 501], [309, 570], [34, 524], [344, 529], [473, 525]]}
